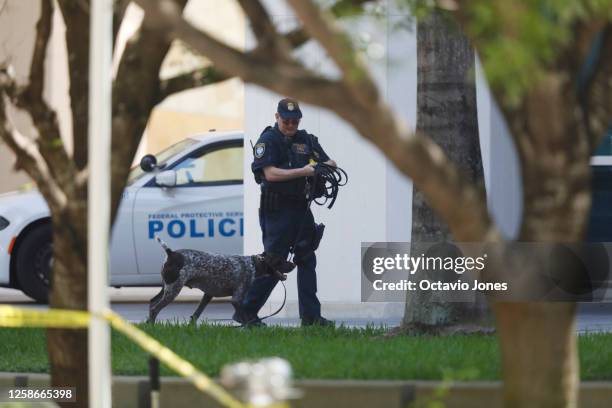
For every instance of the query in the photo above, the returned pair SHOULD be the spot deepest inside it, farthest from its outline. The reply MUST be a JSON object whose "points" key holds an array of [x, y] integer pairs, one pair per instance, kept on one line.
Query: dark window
{"points": [[600, 223]]}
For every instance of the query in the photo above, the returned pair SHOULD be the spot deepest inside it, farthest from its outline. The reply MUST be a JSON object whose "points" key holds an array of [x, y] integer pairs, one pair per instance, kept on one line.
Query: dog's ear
{"points": [[261, 268]]}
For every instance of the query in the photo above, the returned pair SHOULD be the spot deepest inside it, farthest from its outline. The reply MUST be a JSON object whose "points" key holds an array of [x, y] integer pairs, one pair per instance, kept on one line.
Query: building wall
{"points": [[17, 20], [376, 204]]}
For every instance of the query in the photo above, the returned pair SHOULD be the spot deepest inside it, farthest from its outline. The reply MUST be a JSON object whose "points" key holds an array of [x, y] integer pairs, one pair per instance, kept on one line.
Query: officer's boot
{"points": [[247, 318]]}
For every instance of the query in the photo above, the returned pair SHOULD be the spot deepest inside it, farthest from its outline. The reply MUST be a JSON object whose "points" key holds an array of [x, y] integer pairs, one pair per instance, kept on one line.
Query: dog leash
{"points": [[277, 310], [254, 320], [270, 315]]}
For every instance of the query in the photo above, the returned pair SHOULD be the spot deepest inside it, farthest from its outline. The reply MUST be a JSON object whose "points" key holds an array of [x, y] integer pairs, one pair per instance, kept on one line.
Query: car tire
{"points": [[34, 263]]}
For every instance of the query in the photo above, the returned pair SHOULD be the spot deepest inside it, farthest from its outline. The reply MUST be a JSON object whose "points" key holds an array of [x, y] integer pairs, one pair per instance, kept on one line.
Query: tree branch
{"points": [[297, 37], [248, 66], [321, 26], [269, 42], [199, 77], [76, 19], [119, 8], [37, 66], [31, 99], [136, 91], [460, 204], [210, 75], [349, 7], [261, 24], [29, 159]]}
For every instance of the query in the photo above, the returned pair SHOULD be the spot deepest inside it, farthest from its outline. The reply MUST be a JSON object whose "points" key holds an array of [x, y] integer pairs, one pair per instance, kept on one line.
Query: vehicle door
{"points": [[122, 251], [203, 211]]}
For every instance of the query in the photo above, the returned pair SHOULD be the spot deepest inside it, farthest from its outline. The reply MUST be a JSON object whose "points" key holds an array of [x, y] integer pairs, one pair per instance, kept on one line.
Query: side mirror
{"points": [[166, 178], [148, 163]]}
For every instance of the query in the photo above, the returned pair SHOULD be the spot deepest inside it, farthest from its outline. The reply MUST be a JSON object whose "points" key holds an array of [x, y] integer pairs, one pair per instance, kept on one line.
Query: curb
{"points": [[133, 391]]}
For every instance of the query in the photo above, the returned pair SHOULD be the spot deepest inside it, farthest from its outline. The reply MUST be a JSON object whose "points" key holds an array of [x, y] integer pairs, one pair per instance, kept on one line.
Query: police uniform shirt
{"points": [[275, 149]]}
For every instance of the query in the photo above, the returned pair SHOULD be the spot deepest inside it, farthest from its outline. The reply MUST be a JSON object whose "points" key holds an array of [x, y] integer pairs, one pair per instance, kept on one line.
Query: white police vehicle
{"points": [[190, 194]]}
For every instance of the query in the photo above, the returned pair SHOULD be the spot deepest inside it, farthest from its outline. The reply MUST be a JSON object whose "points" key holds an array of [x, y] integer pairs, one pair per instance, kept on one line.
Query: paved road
{"points": [[132, 304]]}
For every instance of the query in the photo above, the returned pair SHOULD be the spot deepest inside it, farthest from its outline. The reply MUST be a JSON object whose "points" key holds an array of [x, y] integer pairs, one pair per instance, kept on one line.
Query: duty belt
{"points": [[271, 201]]}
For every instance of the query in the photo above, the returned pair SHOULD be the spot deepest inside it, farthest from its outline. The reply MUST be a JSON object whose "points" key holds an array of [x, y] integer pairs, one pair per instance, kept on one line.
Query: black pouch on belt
{"points": [[318, 234], [311, 242]]}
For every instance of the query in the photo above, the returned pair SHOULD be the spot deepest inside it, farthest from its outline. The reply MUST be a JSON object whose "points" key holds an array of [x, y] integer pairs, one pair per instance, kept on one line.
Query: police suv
{"points": [[190, 194]]}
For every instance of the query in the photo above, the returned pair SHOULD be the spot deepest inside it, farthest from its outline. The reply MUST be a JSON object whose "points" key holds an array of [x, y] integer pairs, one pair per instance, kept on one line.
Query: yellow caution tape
{"points": [[73, 319], [172, 360], [55, 318]]}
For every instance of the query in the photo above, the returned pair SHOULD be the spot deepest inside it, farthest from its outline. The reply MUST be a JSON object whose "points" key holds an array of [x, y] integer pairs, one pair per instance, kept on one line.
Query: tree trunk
{"points": [[446, 111], [67, 348], [538, 340], [539, 355]]}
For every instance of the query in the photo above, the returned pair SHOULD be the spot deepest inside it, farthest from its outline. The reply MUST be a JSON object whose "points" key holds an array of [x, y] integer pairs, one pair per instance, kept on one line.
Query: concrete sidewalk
{"points": [[123, 295], [132, 304]]}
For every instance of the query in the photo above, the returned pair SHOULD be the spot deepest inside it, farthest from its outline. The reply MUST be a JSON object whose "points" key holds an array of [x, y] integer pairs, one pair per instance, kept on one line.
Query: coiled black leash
{"points": [[326, 183]]}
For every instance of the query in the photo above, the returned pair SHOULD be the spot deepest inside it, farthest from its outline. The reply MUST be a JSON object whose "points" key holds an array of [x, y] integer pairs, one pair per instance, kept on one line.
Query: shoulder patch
{"points": [[259, 150]]}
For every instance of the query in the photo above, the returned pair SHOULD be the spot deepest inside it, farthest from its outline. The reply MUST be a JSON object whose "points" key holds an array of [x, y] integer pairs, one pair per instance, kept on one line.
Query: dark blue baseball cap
{"points": [[289, 108]]}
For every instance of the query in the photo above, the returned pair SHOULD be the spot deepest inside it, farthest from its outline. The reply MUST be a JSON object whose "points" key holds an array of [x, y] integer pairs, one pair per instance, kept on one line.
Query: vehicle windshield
{"points": [[136, 172]]}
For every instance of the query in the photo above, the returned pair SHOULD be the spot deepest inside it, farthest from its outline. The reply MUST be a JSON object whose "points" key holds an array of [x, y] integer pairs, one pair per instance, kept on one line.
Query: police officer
{"points": [[284, 158]]}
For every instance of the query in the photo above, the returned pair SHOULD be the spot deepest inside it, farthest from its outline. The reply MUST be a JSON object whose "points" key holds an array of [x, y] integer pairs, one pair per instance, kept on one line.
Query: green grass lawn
{"points": [[313, 353]]}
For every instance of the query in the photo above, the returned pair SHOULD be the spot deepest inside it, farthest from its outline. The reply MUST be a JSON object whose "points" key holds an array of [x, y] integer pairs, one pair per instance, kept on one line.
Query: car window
{"points": [[222, 165], [136, 172]]}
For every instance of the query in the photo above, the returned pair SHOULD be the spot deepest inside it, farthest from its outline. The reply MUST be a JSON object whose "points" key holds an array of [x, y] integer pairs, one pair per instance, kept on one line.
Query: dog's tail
{"points": [[164, 245]]}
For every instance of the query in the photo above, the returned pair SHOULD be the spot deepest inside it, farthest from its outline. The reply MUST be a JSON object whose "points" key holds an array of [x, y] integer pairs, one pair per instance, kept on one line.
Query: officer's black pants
{"points": [[280, 229]]}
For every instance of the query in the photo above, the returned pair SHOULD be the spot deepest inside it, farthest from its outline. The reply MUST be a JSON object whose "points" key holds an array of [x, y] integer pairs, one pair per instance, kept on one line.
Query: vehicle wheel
{"points": [[34, 262]]}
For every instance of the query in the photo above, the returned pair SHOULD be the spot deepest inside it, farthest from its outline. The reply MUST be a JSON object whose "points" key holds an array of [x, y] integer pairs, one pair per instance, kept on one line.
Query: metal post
{"points": [[100, 81], [154, 381]]}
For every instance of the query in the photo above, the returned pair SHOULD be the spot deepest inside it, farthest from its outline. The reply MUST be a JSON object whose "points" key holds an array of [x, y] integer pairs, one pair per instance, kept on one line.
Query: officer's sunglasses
{"points": [[288, 122]]}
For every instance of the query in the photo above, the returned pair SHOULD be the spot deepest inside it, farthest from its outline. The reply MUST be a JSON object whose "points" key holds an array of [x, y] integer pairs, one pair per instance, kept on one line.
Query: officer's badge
{"points": [[299, 148], [290, 106], [260, 149], [316, 154]]}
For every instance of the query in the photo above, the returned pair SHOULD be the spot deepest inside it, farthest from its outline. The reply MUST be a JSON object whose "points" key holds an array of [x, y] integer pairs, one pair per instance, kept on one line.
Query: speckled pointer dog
{"points": [[214, 274]]}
